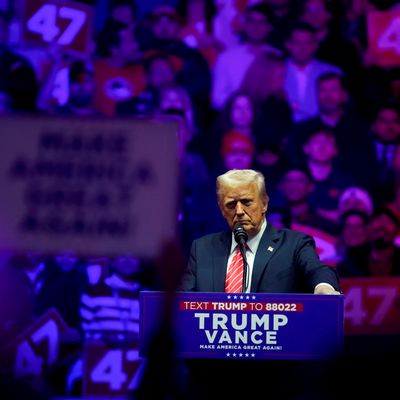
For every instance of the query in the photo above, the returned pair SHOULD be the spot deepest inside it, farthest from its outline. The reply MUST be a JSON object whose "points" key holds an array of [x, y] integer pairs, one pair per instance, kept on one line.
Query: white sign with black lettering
{"points": [[98, 186]]}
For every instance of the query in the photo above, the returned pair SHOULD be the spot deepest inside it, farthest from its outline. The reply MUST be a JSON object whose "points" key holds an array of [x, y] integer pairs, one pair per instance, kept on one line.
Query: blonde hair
{"points": [[237, 177]]}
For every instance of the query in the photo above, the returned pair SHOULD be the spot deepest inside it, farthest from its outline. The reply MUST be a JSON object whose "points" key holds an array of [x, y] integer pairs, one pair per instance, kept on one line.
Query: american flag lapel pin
{"points": [[270, 248]]}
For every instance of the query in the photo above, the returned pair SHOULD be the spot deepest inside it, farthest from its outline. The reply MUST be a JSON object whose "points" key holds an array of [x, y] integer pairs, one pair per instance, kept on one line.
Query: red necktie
{"points": [[234, 275]]}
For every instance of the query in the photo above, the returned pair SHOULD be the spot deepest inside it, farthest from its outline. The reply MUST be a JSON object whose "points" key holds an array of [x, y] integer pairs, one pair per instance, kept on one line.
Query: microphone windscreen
{"points": [[239, 233]]}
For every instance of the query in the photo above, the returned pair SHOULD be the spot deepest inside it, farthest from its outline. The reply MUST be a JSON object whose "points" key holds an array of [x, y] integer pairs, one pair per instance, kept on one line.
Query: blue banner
{"points": [[249, 325]]}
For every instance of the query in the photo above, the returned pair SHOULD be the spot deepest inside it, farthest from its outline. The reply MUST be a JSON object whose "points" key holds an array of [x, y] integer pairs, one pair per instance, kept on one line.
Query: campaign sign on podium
{"points": [[249, 325]]}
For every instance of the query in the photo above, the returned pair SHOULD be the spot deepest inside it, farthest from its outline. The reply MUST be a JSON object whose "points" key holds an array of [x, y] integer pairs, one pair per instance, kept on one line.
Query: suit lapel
{"points": [[269, 243], [223, 246]]}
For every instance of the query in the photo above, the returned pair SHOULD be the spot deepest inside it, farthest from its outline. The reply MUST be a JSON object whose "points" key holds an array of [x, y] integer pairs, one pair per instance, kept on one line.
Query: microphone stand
{"points": [[241, 237], [242, 247]]}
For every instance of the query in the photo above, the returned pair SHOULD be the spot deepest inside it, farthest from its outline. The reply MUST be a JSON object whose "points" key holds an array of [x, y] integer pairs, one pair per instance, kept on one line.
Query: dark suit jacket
{"points": [[285, 262]]}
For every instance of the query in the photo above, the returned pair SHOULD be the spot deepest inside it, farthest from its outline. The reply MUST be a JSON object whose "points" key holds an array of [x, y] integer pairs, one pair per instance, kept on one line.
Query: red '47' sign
{"points": [[384, 37], [110, 370], [37, 347], [371, 305], [65, 23]]}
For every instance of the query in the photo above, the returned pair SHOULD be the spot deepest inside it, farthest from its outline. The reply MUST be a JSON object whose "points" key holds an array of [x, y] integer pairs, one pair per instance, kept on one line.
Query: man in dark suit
{"points": [[279, 260]]}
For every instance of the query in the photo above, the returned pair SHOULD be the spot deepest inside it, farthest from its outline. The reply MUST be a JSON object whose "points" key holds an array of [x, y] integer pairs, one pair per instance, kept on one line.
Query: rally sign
{"points": [[98, 186], [110, 370], [64, 23], [384, 36], [38, 347], [249, 326], [372, 305]]}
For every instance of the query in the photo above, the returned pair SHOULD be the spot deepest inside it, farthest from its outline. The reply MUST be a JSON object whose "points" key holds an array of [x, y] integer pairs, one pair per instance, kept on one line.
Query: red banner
{"points": [[371, 305]]}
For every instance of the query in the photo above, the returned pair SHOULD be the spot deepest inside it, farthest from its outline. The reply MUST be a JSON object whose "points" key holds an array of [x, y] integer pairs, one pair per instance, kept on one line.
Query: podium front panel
{"points": [[248, 326]]}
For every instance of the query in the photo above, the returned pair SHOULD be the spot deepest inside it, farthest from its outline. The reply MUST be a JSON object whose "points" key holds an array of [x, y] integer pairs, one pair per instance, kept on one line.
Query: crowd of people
{"points": [[289, 88]]}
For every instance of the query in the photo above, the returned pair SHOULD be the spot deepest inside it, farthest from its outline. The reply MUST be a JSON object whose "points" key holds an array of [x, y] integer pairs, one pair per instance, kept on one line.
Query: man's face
{"points": [[239, 156], [382, 230], [243, 205], [165, 27], [302, 46], [296, 186], [160, 74], [123, 14], [316, 14], [242, 112], [321, 148], [354, 231], [82, 92], [387, 126], [256, 27], [331, 95], [126, 265], [128, 49]]}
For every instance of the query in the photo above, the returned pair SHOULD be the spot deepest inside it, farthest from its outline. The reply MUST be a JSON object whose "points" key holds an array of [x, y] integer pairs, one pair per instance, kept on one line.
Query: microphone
{"points": [[240, 234], [241, 238]]}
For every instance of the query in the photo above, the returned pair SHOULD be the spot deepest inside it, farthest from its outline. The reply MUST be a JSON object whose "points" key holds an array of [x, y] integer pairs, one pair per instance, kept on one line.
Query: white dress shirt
{"points": [[251, 250]]}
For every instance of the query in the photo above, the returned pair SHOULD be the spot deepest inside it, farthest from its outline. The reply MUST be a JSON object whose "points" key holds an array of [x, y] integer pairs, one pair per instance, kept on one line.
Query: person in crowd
{"points": [[335, 112], [272, 161], [237, 115], [379, 79], [232, 64], [357, 199], [176, 98], [283, 14], [43, 283], [23, 90], [273, 114], [303, 71], [228, 21], [19, 85], [51, 284], [81, 91], [384, 255], [330, 180], [124, 12], [352, 244], [384, 139], [242, 199], [293, 193], [393, 200], [121, 286], [333, 46], [196, 201], [295, 189], [118, 68], [381, 257], [160, 74], [197, 27], [193, 72], [109, 309], [237, 151]]}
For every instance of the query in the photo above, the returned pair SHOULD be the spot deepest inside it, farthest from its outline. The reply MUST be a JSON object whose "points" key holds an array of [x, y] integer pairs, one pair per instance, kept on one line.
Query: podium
{"points": [[248, 326]]}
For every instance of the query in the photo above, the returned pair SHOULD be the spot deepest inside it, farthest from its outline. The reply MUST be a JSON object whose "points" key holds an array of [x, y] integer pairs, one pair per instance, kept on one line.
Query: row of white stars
{"points": [[241, 297], [240, 355]]}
